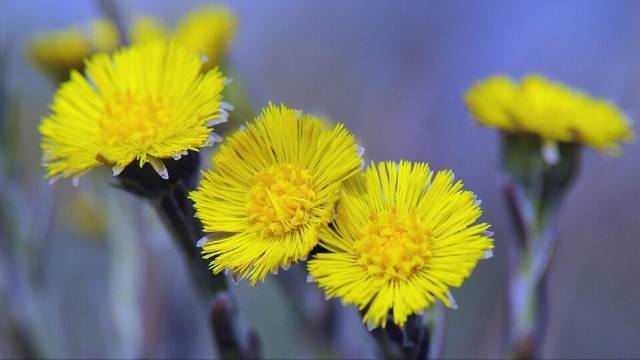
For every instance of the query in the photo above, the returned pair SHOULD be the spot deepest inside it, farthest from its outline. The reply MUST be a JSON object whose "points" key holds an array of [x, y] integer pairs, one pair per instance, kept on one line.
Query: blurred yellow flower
{"points": [[273, 187], [210, 30], [550, 110], [104, 35], [86, 215], [148, 103], [56, 53], [402, 236], [147, 28]]}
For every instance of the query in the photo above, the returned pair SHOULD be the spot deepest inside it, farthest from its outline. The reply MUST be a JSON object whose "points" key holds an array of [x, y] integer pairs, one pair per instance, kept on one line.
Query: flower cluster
{"points": [[208, 30], [286, 186], [390, 238], [550, 110], [395, 238]]}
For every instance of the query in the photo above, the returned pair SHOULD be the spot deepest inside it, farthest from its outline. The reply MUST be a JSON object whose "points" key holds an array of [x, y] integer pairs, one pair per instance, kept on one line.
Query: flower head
{"points": [[147, 103], [56, 53], [550, 110], [273, 187], [208, 29], [104, 36], [147, 28], [402, 236]]}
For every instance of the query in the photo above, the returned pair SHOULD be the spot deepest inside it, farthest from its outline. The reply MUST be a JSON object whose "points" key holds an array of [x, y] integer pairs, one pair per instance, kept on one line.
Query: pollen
{"points": [[134, 119], [281, 199], [393, 246]]}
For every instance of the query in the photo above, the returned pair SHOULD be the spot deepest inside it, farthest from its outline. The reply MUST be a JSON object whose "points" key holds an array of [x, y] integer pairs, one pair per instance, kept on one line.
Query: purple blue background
{"points": [[394, 72]]}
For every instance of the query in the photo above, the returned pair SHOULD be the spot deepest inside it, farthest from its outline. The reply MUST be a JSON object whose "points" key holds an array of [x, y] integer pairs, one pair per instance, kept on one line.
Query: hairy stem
{"points": [[529, 259], [178, 215]]}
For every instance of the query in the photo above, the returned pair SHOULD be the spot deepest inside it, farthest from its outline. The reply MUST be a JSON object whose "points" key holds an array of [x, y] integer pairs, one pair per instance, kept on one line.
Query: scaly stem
{"points": [[170, 200], [178, 215], [534, 196], [529, 260]]}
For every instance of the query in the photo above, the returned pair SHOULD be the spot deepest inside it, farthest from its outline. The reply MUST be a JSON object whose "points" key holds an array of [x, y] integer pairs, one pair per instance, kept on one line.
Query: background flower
{"points": [[58, 52], [208, 29], [148, 28], [549, 110]]}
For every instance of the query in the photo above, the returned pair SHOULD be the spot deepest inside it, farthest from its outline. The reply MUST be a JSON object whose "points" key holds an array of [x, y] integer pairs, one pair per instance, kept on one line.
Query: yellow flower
{"points": [[273, 187], [147, 28], [56, 53], [208, 29], [147, 103], [104, 35], [550, 110], [401, 238]]}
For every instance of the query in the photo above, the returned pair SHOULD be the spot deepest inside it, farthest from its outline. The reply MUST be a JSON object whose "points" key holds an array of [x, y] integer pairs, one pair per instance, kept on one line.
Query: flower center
{"points": [[393, 245], [134, 119], [281, 199]]}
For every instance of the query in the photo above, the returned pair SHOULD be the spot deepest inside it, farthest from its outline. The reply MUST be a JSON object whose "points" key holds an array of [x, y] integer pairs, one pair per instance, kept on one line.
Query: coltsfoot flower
{"points": [[103, 35], [402, 237], [148, 28], [148, 103], [550, 110], [208, 29], [273, 188], [56, 53]]}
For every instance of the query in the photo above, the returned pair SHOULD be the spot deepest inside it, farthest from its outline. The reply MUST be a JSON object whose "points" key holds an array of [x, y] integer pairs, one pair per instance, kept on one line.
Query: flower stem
{"points": [[226, 333], [529, 259], [534, 195], [110, 10], [438, 327], [177, 213], [413, 341], [170, 200]]}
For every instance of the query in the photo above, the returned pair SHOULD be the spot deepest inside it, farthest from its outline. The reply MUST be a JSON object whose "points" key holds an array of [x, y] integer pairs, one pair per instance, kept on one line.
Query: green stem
{"points": [[534, 196]]}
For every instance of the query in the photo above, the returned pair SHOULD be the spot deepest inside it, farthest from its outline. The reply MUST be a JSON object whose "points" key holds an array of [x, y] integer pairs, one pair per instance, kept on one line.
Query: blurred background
{"points": [[89, 271]]}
